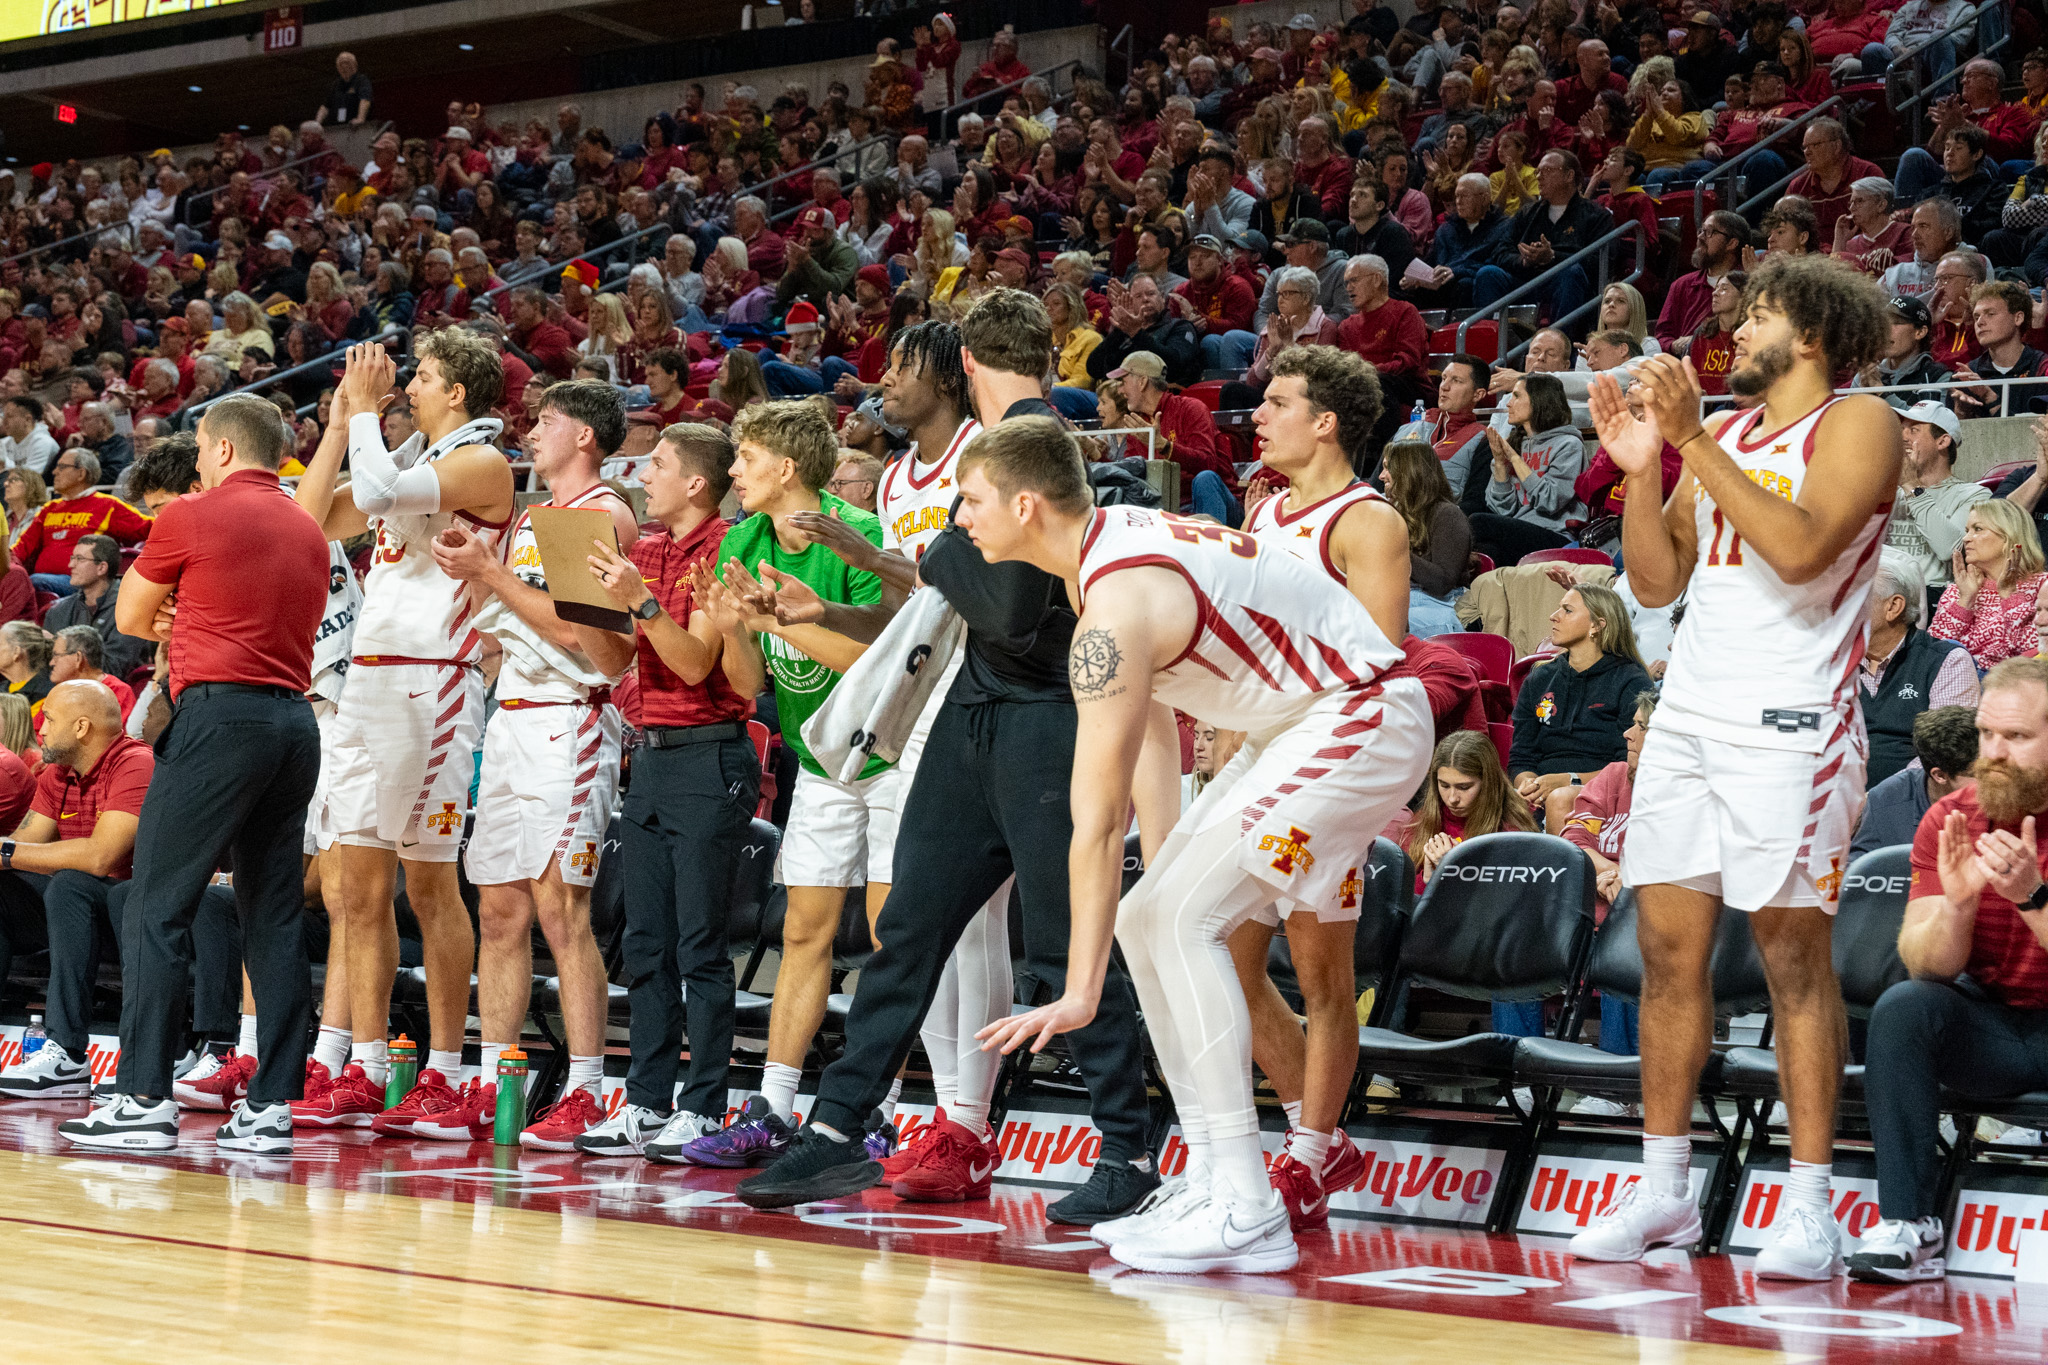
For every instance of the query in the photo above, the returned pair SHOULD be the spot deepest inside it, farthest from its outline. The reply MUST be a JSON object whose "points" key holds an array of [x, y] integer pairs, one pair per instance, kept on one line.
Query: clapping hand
{"points": [[717, 603], [366, 379], [1963, 876], [1671, 398], [2011, 863], [755, 600], [1633, 443]]}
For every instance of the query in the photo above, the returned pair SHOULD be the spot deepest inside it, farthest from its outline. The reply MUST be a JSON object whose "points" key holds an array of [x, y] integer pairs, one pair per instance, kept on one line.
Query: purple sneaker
{"points": [[757, 1137], [880, 1138]]}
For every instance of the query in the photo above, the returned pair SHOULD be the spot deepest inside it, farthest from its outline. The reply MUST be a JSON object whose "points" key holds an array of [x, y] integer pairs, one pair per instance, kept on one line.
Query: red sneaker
{"points": [[1344, 1165], [220, 1088], [1307, 1206], [350, 1100], [556, 1128], [905, 1156], [430, 1096], [954, 1165], [469, 1119]]}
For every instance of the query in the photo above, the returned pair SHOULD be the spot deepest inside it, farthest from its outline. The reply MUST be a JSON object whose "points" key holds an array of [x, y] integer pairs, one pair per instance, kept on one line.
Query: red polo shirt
{"points": [[238, 622], [665, 565], [75, 800], [2005, 957], [17, 790], [1391, 337]]}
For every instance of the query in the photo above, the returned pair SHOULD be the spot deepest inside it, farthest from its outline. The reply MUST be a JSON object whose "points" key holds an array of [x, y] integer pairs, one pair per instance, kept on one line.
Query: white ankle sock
{"points": [[1310, 1148], [1293, 1108], [947, 1092], [778, 1087], [889, 1104], [585, 1073], [330, 1049], [972, 1117], [1237, 1169], [487, 1063], [247, 1046], [1807, 1184], [1667, 1164], [374, 1058], [449, 1064]]}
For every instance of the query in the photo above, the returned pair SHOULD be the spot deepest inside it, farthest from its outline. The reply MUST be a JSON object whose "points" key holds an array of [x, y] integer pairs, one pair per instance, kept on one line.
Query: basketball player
{"points": [[1187, 614], [550, 769], [1318, 415], [1751, 779], [407, 723]]}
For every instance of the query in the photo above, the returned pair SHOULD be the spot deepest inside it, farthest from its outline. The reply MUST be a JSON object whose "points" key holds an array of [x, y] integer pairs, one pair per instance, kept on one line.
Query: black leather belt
{"points": [[197, 691], [681, 736]]}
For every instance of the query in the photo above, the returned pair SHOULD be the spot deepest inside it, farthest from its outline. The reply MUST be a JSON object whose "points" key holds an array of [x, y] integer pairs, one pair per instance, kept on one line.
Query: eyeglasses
{"points": [[837, 484]]}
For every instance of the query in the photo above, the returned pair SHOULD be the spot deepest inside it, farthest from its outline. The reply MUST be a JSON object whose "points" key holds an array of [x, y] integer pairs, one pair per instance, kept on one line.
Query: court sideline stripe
{"points": [[911, 1337]]}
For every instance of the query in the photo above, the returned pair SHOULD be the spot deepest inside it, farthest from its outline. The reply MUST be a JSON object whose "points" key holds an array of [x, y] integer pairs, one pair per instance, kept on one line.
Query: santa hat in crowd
{"points": [[802, 317], [581, 271]]}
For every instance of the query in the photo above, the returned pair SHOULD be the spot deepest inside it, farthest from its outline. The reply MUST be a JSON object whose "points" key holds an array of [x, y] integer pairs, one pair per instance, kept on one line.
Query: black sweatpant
{"points": [[686, 819], [235, 770], [1924, 1035], [989, 799]]}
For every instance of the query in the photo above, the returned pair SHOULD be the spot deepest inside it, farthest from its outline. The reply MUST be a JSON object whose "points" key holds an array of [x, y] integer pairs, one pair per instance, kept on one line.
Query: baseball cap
{"points": [[1140, 362], [457, 131], [1251, 240], [1935, 415], [1777, 69], [1304, 21], [1306, 230], [425, 211], [1018, 223], [277, 241], [1908, 309], [814, 217], [1703, 18], [643, 417], [1014, 256], [1206, 242], [174, 325]]}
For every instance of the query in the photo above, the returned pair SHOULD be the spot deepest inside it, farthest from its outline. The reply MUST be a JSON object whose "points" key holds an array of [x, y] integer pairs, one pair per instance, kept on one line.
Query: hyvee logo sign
{"points": [[1419, 1180], [1567, 1192], [1988, 1224], [1854, 1202]]}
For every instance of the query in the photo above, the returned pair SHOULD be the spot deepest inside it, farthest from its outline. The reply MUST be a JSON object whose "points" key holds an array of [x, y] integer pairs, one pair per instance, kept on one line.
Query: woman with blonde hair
{"points": [[1622, 309], [25, 493], [938, 251], [1073, 339], [1572, 713], [1989, 608], [241, 330], [18, 728], [609, 332], [326, 306]]}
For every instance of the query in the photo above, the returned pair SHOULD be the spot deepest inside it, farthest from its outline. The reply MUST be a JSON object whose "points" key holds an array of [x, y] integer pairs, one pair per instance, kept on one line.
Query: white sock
{"points": [[972, 1117], [778, 1087], [585, 1073], [330, 1049], [889, 1104], [247, 1046], [449, 1064], [1293, 1108], [1667, 1164], [1310, 1148], [947, 1090], [487, 1063], [374, 1058], [1807, 1184], [1194, 1132], [1237, 1169]]}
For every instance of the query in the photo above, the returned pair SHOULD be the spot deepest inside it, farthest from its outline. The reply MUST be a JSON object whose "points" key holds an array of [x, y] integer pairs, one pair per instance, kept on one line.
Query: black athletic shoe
{"points": [[1111, 1192], [814, 1167]]}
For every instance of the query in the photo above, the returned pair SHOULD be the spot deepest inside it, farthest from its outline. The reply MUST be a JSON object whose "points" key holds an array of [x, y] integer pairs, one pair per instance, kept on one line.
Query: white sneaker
{"points": [[676, 1132], [192, 1058], [1209, 1234], [1636, 1222], [1599, 1106], [1806, 1244], [1897, 1252], [49, 1073], [266, 1130], [1164, 1199], [126, 1125], [1779, 1117], [1525, 1100]]}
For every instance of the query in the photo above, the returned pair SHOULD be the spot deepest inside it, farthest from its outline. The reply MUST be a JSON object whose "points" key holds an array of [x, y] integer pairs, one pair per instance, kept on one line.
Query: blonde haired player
{"points": [[550, 772], [410, 712], [1749, 785]]}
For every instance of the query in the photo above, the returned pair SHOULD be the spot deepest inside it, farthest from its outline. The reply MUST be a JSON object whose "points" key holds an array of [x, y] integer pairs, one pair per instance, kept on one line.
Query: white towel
{"points": [[876, 705]]}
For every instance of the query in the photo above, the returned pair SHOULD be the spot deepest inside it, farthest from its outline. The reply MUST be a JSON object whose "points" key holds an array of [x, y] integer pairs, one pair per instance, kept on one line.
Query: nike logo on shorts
{"points": [[414, 696]]}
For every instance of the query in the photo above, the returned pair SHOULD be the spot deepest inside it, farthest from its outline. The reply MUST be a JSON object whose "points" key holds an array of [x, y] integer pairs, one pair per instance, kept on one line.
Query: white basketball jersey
{"points": [[1272, 632], [914, 499], [1306, 534], [1758, 661], [411, 610], [335, 641], [537, 669]]}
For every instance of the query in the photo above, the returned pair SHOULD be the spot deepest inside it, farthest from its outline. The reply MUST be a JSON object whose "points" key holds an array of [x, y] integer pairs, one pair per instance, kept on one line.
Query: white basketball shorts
{"points": [[550, 777], [837, 829], [319, 829], [405, 753]]}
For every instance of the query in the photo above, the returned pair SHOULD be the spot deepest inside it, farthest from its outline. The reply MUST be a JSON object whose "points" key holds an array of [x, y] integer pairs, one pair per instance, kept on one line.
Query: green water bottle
{"points": [[405, 1069], [511, 1097]]}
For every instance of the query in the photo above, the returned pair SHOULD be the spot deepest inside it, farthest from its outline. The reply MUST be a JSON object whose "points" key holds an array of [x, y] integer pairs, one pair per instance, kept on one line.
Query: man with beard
{"points": [[1974, 1016], [1748, 787]]}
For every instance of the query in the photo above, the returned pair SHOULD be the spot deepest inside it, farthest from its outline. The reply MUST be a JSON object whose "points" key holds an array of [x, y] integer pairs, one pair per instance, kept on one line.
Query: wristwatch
{"points": [[2037, 901], [7, 854], [648, 609]]}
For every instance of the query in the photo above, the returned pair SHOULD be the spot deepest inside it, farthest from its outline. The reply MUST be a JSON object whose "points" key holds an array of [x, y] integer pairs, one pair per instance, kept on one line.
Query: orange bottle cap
{"points": [[511, 1054]]}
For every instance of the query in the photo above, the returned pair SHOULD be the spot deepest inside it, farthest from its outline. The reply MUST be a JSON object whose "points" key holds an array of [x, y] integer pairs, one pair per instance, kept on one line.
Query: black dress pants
{"points": [[989, 799]]}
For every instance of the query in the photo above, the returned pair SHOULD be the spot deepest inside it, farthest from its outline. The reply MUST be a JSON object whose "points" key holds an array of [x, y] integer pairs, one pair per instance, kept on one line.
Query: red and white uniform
{"points": [[1285, 653], [914, 499], [1751, 779], [331, 650], [407, 725], [551, 750], [1306, 535]]}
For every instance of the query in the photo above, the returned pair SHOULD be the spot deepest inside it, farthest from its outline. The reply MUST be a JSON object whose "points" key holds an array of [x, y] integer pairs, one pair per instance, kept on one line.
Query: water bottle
{"points": [[404, 1056], [33, 1037], [1419, 414], [511, 1113]]}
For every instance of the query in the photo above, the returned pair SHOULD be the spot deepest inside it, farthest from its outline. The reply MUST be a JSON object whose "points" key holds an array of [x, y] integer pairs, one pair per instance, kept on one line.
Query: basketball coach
{"points": [[242, 572]]}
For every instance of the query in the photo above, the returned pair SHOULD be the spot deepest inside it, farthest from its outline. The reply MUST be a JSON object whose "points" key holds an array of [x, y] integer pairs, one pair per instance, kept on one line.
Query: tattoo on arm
{"points": [[1092, 665]]}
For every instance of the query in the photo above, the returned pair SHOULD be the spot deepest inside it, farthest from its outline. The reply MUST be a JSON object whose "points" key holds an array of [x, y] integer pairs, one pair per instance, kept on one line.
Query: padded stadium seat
{"points": [[1495, 654], [1209, 393], [1502, 733], [1995, 475], [44, 601], [1475, 1059], [1519, 674], [1568, 554]]}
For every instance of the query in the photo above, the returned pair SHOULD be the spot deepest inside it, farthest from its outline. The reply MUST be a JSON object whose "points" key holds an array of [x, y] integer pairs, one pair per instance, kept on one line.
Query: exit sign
{"points": [[67, 113]]}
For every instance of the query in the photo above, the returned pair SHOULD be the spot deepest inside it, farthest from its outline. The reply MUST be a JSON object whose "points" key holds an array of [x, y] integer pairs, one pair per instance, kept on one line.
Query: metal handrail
{"points": [[968, 103], [1129, 39], [838, 155], [326, 358], [1973, 17], [254, 176], [2004, 387], [589, 255], [123, 226], [1498, 308], [1699, 187]]}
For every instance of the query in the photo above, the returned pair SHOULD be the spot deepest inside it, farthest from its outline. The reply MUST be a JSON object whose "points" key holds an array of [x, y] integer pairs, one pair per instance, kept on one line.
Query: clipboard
{"points": [[563, 536]]}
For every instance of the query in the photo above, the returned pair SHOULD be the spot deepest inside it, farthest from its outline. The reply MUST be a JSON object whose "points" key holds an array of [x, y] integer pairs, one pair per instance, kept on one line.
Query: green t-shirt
{"points": [[801, 682]]}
